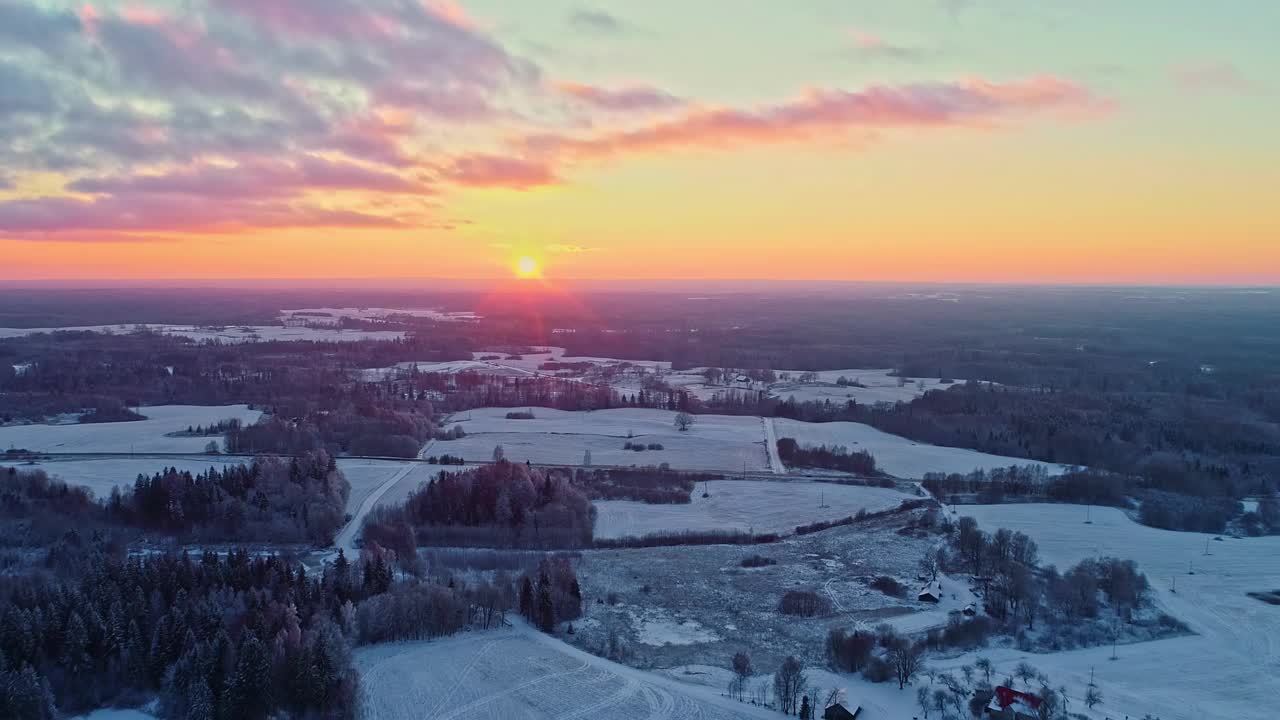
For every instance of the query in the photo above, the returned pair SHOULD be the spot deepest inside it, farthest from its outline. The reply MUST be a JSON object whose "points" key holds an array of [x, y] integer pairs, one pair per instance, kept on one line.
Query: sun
{"points": [[527, 267]]}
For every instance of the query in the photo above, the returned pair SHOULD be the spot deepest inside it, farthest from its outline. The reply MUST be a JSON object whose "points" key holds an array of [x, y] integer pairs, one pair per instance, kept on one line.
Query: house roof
{"points": [[1020, 701]]}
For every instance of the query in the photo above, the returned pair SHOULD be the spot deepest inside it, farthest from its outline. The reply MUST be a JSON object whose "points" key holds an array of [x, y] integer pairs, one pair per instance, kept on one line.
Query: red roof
{"points": [[1008, 696]]}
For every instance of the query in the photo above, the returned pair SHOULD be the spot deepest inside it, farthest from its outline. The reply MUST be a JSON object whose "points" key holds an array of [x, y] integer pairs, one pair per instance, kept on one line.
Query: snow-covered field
{"points": [[519, 673], [746, 505], [227, 334], [715, 442], [880, 387], [332, 316], [1229, 669], [102, 474], [141, 436], [896, 455]]}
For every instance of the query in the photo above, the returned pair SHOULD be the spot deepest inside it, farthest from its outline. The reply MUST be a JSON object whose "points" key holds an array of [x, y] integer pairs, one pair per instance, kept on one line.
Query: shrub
{"points": [[889, 586], [804, 603], [877, 670], [520, 415], [753, 561]]}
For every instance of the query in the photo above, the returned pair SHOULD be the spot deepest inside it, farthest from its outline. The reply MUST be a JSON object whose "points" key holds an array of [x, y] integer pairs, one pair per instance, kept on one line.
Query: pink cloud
{"points": [[634, 98], [171, 213], [825, 113], [481, 170], [255, 179]]}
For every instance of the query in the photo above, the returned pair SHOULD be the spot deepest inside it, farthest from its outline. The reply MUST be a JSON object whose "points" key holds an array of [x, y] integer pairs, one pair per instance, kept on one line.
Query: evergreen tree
{"points": [[546, 608], [526, 599]]}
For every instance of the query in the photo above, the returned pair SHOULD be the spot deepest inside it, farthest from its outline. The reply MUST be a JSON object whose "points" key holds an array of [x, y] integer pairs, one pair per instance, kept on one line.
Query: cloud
{"points": [[1211, 75], [820, 114], [6, 183], [635, 98], [558, 248], [171, 213], [598, 21], [869, 46], [481, 170], [254, 179]]}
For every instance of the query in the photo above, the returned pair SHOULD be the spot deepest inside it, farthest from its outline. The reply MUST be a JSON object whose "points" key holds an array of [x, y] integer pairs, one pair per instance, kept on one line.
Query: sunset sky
{"points": [[913, 140]]}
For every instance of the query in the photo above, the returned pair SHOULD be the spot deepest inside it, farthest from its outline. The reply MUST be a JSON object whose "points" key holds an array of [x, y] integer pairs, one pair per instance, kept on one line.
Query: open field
{"points": [[519, 673], [746, 505], [102, 474], [140, 436], [1229, 669], [715, 442], [897, 455], [881, 386], [332, 315], [227, 334], [698, 605]]}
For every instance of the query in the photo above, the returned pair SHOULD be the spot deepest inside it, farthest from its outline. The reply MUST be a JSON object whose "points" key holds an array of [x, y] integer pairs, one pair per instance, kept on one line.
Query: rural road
{"points": [[771, 446], [345, 541]]}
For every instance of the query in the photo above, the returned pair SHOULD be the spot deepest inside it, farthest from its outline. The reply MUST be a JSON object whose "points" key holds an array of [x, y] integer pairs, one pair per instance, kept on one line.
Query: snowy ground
{"points": [[225, 334], [896, 455], [697, 604], [715, 442], [114, 714], [332, 316], [141, 436], [746, 505], [519, 673], [1229, 669], [881, 386]]}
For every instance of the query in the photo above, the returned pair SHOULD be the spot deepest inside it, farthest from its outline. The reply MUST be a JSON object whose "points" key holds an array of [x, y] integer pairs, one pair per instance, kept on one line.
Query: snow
{"points": [[227, 334], [896, 455], [331, 316], [881, 386], [115, 714], [519, 673], [745, 505], [1229, 668], [657, 628], [559, 437], [140, 436]]}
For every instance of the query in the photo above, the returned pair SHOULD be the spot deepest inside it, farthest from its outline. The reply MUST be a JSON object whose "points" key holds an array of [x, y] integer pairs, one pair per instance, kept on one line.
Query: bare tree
{"points": [[1092, 697], [498, 453], [741, 674], [907, 659], [586, 459], [929, 566], [683, 421], [984, 666], [922, 699], [789, 684]]}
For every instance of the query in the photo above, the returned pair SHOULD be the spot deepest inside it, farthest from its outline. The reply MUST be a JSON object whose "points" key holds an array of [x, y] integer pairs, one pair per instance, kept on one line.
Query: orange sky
{"points": [[896, 144]]}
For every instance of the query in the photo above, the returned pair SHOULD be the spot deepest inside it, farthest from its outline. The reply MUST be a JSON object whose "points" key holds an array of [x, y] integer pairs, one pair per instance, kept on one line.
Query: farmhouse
{"points": [[930, 593], [838, 711], [1009, 704]]}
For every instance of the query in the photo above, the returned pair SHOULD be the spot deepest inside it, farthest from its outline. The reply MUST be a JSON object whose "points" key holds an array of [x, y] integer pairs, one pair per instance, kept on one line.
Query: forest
{"points": [[504, 504]]}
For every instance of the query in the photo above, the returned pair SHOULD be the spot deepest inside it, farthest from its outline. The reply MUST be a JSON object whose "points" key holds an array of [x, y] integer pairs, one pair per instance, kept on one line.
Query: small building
{"points": [[838, 711], [1010, 704], [970, 610], [930, 593]]}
